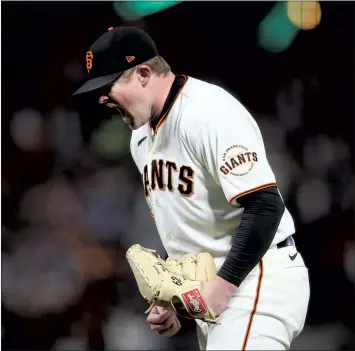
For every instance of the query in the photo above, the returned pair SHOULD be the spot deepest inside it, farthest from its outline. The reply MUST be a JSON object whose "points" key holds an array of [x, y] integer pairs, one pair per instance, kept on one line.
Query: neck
{"points": [[163, 89]]}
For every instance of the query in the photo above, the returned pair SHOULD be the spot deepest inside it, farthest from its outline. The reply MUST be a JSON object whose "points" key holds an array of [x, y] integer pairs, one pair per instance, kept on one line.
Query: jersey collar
{"points": [[179, 82]]}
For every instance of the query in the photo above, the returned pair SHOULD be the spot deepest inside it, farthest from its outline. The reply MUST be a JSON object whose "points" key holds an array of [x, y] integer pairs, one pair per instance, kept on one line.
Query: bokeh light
{"points": [[27, 129], [275, 32], [111, 139], [304, 14], [313, 200], [133, 10]]}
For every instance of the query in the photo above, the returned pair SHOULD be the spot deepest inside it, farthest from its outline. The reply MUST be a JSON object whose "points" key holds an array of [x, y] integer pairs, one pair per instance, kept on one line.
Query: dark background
{"points": [[209, 40]]}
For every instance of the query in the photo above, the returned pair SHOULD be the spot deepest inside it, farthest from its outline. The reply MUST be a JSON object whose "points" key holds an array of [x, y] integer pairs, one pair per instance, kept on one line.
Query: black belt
{"points": [[287, 242]]}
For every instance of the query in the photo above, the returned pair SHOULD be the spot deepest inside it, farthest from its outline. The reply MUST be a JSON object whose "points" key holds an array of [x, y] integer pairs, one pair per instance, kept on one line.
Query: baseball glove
{"points": [[194, 266], [176, 288]]}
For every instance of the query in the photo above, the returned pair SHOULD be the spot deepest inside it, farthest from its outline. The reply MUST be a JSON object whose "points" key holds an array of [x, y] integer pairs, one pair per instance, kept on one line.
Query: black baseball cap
{"points": [[116, 51]]}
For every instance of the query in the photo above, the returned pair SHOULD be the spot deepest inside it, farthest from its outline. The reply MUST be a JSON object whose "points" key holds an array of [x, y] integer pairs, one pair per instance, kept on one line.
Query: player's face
{"points": [[133, 97]]}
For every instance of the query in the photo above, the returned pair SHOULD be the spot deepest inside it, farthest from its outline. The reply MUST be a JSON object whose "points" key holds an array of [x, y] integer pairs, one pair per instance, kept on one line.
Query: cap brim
{"points": [[97, 83]]}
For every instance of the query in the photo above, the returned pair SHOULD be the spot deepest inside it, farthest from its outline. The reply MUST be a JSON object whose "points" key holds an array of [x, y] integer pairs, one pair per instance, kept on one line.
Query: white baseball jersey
{"points": [[206, 153]]}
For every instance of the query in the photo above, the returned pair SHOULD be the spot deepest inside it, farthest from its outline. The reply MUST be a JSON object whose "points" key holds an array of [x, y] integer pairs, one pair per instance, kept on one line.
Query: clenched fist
{"points": [[163, 321]]}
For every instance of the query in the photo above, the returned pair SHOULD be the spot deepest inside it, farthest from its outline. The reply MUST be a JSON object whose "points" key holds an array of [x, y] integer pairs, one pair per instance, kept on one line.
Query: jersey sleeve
{"points": [[231, 148]]}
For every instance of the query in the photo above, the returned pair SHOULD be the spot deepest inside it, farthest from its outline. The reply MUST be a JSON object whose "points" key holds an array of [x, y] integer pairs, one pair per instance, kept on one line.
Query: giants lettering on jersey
{"points": [[238, 161], [166, 175]]}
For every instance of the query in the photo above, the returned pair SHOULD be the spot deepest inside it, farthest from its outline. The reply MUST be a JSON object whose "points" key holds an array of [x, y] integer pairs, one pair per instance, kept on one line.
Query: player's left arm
{"points": [[263, 210], [230, 146]]}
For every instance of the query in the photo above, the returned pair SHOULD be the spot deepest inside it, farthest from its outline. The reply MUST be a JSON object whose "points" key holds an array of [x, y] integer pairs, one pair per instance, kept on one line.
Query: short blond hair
{"points": [[158, 65]]}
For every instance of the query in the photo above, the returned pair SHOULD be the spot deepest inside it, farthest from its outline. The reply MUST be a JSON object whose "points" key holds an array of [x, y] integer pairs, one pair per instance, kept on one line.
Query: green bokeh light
{"points": [[276, 32], [133, 10], [112, 139]]}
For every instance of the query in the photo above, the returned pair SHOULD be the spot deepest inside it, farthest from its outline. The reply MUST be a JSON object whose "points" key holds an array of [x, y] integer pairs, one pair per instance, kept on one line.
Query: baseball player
{"points": [[210, 188]]}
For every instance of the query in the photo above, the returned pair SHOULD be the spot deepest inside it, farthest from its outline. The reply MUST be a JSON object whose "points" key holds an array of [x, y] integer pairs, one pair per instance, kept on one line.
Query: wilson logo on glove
{"points": [[195, 302]]}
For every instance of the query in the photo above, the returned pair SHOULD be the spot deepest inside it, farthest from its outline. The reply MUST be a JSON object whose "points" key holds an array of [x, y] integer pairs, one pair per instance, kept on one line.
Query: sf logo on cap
{"points": [[89, 58]]}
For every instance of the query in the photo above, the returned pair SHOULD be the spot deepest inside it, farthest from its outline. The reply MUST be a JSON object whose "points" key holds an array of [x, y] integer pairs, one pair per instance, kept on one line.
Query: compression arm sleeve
{"points": [[262, 214]]}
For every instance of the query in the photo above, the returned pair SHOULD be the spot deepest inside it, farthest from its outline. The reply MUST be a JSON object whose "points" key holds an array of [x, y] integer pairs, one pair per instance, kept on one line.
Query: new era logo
{"points": [[130, 58]]}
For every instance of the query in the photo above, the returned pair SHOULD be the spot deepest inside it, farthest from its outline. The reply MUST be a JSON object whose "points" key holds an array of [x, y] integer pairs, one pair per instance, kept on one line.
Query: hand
{"points": [[163, 321], [217, 293]]}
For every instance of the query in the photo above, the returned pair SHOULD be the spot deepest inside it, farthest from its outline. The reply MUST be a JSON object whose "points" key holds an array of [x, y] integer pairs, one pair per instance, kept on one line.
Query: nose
{"points": [[103, 99]]}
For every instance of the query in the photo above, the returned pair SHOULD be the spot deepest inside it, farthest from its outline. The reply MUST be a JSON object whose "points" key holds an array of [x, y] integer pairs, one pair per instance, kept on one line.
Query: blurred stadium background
{"points": [[72, 201]]}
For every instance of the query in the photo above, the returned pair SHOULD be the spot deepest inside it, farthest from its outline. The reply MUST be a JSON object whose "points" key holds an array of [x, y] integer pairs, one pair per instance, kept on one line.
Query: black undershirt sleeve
{"points": [[262, 214]]}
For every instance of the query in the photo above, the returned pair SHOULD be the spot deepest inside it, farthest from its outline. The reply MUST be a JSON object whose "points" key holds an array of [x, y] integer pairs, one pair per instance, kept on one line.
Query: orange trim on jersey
{"points": [[162, 119], [256, 301], [152, 214], [269, 185]]}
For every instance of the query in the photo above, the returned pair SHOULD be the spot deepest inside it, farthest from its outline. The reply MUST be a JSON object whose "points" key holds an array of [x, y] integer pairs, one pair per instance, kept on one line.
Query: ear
{"points": [[144, 74]]}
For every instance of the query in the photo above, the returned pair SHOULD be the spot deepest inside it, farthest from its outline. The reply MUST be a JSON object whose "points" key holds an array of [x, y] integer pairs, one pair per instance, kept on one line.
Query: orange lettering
{"points": [[89, 58], [130, 58]]}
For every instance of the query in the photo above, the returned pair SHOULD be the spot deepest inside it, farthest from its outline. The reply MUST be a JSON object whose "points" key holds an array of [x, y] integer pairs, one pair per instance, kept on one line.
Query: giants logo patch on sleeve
{"points": [[238, 161], [194, 302]]}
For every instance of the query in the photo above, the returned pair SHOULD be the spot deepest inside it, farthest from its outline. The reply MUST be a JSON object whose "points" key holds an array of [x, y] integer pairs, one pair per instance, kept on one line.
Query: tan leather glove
{"points": [[194, 266], [175, 289]]}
